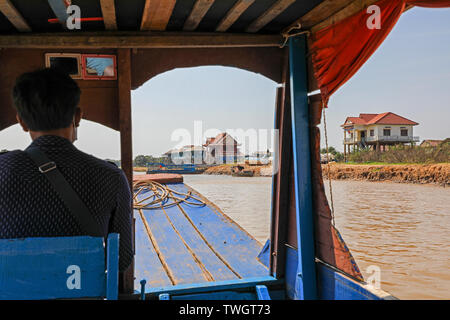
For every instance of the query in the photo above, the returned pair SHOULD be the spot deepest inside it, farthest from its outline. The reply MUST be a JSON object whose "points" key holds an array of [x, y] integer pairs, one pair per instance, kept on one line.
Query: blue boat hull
{"points": [[184, 245]]}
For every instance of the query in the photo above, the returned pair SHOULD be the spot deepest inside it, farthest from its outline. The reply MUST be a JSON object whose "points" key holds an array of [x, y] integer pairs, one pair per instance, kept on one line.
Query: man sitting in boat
{"points": [[46, 102]]}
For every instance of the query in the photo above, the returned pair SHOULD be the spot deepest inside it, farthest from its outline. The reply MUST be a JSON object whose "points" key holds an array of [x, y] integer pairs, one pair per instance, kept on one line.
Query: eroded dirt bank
{"points": [[225, 169], [410, 173]]}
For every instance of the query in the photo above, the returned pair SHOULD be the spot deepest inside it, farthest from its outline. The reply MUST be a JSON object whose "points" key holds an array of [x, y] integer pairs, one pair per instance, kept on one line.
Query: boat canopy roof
{"points": [[235, 16], [343, 34]]}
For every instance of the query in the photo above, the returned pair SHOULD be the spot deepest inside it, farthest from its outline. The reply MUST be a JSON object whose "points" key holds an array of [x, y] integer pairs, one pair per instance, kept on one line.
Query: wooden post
{"points": [[345, 153], [280, 181], [354, 139], [345, 146], [126, 143], [305, 280]]}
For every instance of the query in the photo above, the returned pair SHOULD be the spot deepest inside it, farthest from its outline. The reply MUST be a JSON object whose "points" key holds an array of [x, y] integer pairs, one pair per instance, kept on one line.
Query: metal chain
{"points": [[328, 162]]}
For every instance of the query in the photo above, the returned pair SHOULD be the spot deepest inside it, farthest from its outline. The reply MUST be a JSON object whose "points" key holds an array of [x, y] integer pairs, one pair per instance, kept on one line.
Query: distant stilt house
{"points": [[189, 154], [167, 157], [222, 149], [377, 131]]}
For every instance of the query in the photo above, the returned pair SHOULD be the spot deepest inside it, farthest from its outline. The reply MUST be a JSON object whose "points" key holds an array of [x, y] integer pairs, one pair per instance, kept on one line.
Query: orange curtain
{"points": [[429, 3], [339, 50]]}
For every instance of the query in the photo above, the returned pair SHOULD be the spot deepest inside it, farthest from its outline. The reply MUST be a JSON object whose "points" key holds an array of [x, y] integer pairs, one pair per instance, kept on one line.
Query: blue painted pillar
{"points": [[306, 284], [112, 265]]}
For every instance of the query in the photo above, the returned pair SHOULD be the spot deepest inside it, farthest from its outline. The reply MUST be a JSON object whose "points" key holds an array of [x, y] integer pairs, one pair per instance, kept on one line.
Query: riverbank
{"points": [[405, 173], [225, 169]]}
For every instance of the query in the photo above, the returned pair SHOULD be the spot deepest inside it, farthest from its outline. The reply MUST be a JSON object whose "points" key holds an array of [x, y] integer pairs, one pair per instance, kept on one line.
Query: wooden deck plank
{"points": [[206, 255], [171, 249], [187, 245], [238, 248], [147, 264]]}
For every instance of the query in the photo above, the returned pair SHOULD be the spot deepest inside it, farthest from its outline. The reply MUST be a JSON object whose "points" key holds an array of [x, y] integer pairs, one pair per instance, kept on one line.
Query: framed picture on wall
{"points": [[99, 67], [67, 62]]}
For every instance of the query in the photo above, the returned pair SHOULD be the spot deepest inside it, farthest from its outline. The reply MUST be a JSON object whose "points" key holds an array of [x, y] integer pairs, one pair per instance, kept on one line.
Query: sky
{"points": [[408, 75]]}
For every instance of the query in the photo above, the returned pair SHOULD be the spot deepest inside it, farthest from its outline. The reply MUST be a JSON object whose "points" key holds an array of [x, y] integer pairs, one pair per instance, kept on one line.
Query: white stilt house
{"points": [[377, 131]]}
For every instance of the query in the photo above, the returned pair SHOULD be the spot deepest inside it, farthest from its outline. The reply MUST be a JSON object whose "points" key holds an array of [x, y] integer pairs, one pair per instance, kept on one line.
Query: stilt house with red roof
{"points": [[377, 131], [222, 149]]}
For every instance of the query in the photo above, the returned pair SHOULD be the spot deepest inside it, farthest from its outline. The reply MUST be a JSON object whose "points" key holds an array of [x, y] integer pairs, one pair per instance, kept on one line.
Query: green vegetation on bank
{"points": [[142, 161], [403, 155], [338, 156], [386, 163]]}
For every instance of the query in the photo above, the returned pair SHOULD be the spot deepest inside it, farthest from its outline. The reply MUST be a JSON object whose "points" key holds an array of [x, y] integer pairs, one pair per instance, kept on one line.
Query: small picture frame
{"points": [[99, 67], [67, 62]]}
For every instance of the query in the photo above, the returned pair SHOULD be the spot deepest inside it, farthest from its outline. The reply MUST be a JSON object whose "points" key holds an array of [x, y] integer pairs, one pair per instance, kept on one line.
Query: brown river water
{"points": [[403, 229]]}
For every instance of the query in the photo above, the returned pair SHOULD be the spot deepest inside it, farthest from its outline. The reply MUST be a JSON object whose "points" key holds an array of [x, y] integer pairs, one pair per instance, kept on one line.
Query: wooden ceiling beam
{"points": [[98, 40], [319, 13], [157, 14], [109, 14], [14, 16], [233, 14], [352, 8], [199, 10], [271, 13], [330, 12]]}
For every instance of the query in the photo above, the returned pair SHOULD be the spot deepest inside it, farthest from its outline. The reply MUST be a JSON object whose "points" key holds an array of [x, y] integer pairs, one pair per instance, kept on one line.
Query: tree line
{"points": [[143, 161]]}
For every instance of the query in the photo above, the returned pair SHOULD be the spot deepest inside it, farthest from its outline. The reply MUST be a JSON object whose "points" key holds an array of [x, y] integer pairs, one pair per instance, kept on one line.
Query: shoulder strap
{"points": [[65, 191]]}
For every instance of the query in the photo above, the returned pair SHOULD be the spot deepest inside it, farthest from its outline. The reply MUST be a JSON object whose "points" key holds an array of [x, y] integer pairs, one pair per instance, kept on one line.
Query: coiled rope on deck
{"points": [[160, 195]]}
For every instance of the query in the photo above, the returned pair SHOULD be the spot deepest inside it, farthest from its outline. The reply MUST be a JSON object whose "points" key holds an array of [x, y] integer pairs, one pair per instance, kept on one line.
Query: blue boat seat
{"points": [[59, 268], [259, 292]]}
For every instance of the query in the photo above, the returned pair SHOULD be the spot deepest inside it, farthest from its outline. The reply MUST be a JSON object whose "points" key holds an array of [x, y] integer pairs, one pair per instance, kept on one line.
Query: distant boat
{"points": [[174, 168], [239, 171], [257, 160]]}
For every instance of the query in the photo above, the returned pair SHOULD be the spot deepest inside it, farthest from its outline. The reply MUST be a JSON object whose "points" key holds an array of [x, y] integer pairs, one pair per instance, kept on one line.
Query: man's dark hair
{"points": [[46, 99]]}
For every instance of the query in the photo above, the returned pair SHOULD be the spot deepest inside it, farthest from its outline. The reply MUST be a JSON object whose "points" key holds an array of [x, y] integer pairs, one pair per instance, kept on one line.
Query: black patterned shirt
{"points": [[30, 207]]}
